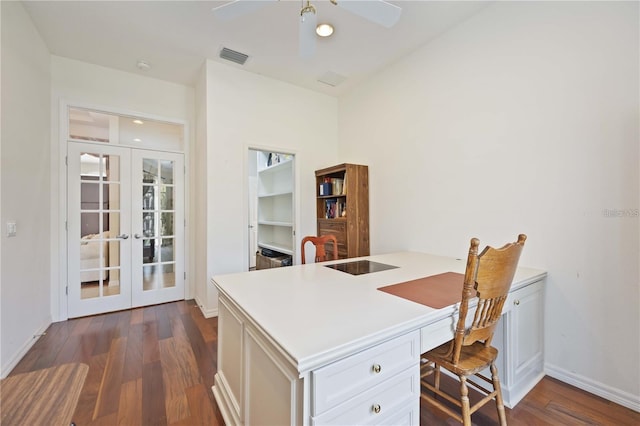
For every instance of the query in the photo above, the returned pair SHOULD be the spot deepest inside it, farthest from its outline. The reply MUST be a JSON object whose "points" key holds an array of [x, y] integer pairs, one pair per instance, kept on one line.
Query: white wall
{"points": [[25, 177], [100, 87], [522, 119], [247, 110]]}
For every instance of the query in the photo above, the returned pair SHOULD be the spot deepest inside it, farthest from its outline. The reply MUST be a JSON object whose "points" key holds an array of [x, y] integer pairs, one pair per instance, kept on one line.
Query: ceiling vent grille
{"points": [[233, 56], [331, 78]]}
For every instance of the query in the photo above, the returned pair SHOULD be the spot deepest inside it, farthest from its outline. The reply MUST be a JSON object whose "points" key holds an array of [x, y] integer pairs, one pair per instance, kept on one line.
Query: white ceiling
{"points": [[175, 37]]}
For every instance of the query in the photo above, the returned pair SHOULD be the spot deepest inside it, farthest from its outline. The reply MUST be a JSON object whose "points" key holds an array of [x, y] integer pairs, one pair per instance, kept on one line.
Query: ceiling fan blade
{"points": [[307, 38], [378, 11], [238, 8]]}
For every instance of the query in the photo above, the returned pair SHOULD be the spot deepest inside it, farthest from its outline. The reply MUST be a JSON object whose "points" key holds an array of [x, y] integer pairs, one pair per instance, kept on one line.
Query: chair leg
{"points": [[436, 376], [499, 402], [464, 399]]}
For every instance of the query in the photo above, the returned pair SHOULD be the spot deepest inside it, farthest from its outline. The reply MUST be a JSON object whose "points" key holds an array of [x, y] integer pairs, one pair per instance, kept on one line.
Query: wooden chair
{"points": [[488, 277], [319, 242]]}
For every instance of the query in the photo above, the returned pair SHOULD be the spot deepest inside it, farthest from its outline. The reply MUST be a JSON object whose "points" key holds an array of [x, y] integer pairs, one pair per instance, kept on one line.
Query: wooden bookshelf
{"points": [[342, 207]]}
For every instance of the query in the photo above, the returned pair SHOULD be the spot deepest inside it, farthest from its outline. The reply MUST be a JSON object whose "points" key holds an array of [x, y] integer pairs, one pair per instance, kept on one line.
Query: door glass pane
{"points": [[89, 224], [166, 252], [166, 224], [148, 197], [111, 168], [148, 224], [99, 267], [158, 219], [155, 277], [111, 196], [90, 125], [166, 168], [166, 198], [111, 224], [99, 225], [150, 250], [143, 132], [150, 171]]}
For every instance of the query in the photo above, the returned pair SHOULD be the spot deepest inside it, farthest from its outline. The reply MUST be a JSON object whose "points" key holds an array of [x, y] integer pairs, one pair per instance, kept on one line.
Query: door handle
{"points": [[122, 236], [137, 236]]}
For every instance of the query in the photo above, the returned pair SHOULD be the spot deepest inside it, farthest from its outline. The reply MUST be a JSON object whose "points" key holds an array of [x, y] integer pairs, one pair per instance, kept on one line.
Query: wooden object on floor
{"points": [[320, 243], [488, 277], [348, 220], [266, 262], [42, 397]]}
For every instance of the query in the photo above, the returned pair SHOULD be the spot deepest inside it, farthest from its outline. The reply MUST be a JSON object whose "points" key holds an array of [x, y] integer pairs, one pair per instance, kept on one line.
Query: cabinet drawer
{"points": [[393, 401], [337, 228], [351, 376]]}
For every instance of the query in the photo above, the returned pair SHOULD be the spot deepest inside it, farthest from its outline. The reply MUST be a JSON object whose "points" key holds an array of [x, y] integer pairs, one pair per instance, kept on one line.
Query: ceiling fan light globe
{"points": [[324, 30]]}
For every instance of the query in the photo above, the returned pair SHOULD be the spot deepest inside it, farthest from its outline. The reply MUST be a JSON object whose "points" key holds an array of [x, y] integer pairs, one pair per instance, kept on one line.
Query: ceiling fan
{"points": [[377, 11]]}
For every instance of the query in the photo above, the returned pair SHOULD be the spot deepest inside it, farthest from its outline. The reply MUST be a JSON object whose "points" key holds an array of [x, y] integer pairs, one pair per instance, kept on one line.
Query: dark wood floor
{"points": [[147, 366], [155, 366]]}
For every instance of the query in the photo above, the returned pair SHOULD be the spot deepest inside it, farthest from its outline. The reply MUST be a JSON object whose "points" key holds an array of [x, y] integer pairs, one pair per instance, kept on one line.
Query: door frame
{"points": [[245, 197], [59, 283]]}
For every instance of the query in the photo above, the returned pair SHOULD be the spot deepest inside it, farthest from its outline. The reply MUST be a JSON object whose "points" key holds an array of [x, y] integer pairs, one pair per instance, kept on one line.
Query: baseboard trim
{"points": [[208, 313], [6, 369], [607, 392]]}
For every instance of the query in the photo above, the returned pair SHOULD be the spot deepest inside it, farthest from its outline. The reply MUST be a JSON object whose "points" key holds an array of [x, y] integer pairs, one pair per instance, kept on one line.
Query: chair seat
{"points": [[473, 358]]}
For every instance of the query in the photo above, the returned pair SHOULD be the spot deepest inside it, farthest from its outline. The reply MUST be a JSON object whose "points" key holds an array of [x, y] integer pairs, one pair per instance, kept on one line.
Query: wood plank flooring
{"points": [[147, 366], [155, 366]]}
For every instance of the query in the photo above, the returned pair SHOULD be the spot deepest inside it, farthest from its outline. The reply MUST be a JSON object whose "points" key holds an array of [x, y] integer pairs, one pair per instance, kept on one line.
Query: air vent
{"points": [[233, 56], [331, 78]]}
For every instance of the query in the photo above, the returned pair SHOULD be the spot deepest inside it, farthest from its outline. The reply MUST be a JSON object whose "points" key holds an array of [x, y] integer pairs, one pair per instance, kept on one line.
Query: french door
{"points": [[125, 224]]}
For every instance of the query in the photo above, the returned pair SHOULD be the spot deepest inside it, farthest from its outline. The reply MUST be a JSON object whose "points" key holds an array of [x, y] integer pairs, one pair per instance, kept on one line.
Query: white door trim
{"points": [[59, 277]]}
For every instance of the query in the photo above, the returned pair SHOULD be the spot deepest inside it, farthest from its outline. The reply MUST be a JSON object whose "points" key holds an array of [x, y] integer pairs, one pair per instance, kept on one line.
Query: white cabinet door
{"points": [[519, 340], [524, 328]]}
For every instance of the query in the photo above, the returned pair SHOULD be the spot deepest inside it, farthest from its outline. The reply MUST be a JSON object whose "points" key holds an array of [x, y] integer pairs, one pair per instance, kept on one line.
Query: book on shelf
{"points": [[335, 208], [344, 184], [337, 186]]}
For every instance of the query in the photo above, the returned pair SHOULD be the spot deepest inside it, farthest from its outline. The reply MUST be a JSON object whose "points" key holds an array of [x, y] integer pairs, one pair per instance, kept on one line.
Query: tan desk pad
{"points": [[436, 291]]}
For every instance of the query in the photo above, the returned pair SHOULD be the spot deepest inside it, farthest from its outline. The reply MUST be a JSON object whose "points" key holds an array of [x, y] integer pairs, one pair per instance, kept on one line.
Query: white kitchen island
{"points": [[311, 345]]}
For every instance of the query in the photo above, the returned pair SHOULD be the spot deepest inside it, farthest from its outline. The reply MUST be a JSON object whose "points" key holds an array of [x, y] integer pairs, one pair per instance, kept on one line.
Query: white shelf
{"points": [[276, 167], [276, 246], [275, 194], [275, 223]]}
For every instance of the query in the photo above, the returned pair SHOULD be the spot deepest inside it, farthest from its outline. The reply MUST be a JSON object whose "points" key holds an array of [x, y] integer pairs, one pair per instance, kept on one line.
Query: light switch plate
{"points": [[12, 229]]}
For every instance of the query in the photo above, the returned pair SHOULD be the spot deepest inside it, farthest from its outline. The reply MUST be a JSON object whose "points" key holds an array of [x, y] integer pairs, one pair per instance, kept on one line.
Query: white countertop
{"points": [[317, 314]]}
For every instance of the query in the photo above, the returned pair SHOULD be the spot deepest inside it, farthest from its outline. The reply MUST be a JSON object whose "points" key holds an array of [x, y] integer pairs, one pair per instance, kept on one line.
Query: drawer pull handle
{"points": [[516, 302], [376, 368], [376, 408]]}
